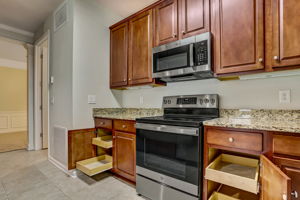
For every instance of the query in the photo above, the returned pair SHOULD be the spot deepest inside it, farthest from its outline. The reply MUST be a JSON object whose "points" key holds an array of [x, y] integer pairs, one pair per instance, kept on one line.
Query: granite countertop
{"points": [[126, 113], [270, 120]]}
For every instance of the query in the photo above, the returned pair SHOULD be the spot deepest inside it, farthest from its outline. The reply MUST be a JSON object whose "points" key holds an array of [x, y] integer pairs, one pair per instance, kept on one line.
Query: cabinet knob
{"points": [[129, 79], [276, 58], [101, 123], [124, 80], [230, 139], [260, 60], [174, 35], [183, 32], [294, 194], [123, 126]]}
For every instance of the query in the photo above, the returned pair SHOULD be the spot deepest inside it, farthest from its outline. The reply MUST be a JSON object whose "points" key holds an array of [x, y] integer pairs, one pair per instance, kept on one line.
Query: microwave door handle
{"points": [[191, 55]]}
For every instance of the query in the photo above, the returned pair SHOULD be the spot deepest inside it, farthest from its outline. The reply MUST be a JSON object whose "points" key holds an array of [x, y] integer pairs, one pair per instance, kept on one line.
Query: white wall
{"points": [[91, 61], [255, 94]]}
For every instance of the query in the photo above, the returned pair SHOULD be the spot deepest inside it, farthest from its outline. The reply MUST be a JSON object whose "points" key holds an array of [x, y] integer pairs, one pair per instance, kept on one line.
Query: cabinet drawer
{"points": [[229, 193], [124, 125], [236, 139], [103, 123], [235, 171], [288, 145]]}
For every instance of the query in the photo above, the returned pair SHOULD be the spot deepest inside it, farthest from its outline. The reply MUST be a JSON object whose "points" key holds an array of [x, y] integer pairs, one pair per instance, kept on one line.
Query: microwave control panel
{"points": [[201, 53]]}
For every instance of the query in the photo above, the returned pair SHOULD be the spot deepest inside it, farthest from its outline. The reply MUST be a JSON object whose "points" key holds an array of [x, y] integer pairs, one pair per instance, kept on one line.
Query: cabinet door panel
{"points": [[286, 28], [194, 15], [166, 20], [237, 26], [125, 155], [275, 185], [291, 168], [118, 55], [140, 49]]}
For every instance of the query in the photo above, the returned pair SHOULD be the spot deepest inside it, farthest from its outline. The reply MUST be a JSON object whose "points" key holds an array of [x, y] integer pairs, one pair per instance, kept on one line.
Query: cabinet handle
{"points": [[123, 126], [294, 194], [276, 58], [260, 60], [231, 139]]}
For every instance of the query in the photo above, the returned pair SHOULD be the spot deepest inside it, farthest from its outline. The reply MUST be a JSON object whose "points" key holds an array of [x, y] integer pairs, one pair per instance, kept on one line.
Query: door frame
{"points": [[38, 139]]}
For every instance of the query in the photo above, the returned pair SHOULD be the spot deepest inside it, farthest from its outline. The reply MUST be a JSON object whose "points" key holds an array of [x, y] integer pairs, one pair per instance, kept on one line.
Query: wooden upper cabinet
{"points": [[194, 17], [238, 30], [118, 55], [286, 33], [140, 49], [275, 185], [166, 22]]}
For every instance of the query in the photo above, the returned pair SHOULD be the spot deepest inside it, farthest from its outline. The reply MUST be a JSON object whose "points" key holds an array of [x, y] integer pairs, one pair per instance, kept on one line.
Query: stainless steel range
{"points": [[169, 148]]}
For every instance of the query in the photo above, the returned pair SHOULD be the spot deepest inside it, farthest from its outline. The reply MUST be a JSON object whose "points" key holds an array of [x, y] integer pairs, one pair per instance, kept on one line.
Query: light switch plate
{"points": [[91, 99], [285, 96]]}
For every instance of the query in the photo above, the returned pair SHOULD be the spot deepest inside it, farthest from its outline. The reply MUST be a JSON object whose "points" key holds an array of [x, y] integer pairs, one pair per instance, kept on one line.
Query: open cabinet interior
{"points": [[232, 175], [104, 160]]}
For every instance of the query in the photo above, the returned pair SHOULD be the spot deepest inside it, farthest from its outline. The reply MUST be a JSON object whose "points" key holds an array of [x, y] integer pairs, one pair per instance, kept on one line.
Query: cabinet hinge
{"points": [[41, 134]]}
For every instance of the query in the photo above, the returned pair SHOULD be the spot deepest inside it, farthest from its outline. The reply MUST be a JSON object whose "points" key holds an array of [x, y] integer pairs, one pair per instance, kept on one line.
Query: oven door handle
{"points": [[169, 129]]}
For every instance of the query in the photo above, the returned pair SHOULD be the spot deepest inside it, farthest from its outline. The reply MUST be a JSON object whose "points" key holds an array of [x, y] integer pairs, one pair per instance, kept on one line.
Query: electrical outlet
{"points": [[285, 96], [91, 99]]}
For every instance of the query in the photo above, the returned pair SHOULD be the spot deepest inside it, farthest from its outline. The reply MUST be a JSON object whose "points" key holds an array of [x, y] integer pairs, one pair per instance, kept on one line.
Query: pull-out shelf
{"points": [[95, 165], [229, 193], [235, 171], [103, 141]]}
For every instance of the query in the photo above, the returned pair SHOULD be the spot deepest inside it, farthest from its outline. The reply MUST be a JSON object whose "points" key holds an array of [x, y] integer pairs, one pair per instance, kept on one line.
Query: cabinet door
{"points": [[118, 55], [291, 168], [237, 27], [275, 185], [194, 17], [166, 20], [286, 29], [124, 153], [80, 146], [140, 49]]}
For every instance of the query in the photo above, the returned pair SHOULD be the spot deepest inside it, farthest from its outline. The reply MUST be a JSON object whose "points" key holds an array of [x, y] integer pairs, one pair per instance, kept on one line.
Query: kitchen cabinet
{"points": [[285, 50], [279, 169], [80, 146], [166, 22], [140, 49], [124, 154], [238, 30], [118, 55], [194, 17]]}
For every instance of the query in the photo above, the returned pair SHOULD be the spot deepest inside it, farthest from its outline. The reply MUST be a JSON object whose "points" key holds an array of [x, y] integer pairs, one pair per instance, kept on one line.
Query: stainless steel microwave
{"points": [[186, 59]]}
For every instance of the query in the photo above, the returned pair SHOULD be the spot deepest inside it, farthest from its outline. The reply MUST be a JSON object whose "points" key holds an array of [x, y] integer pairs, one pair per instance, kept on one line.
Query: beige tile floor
{"points": [[30, 176]]}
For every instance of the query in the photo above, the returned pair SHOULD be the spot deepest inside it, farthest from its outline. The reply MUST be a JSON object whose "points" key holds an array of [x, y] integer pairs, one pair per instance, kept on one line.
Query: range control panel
{"points": [[192, 101]]}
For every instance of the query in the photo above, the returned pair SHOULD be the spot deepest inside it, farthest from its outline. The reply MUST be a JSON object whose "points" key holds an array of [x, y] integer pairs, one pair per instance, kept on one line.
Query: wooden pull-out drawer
{"points": [[124, 125], [252, 141], [288, 145], [103, 123], [95, 165], [229, 193], [235, 171], [103, 141]]}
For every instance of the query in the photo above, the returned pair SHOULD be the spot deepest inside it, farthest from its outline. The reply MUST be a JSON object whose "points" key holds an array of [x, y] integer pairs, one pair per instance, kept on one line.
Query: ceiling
{"points": [[124, 8], [27, 15]]}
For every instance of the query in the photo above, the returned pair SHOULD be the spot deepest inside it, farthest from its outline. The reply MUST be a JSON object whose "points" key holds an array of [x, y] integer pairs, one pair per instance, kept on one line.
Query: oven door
{"points": [[169, 155], [172, 61]]}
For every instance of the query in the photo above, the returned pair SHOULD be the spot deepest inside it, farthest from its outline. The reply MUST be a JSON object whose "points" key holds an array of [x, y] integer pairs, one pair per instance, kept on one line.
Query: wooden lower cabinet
{"points": [[263, 175], [124, 153]]}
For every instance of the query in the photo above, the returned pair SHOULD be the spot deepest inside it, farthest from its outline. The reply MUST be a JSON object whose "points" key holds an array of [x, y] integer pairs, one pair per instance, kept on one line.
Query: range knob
{"points": [[206, 100], [201, 101], [212, 101], [169, 101]]}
